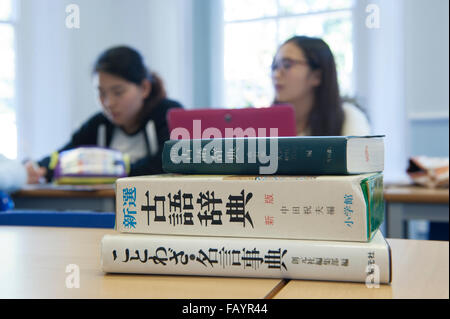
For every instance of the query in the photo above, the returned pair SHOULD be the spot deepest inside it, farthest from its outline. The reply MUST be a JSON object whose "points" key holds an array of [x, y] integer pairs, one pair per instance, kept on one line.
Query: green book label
{"points": [[372, 188], [284, 155]]}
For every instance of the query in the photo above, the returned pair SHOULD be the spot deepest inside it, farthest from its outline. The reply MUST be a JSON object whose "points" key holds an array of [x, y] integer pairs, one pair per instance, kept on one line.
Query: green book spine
{"points": [[283, 155], [372, 188]]}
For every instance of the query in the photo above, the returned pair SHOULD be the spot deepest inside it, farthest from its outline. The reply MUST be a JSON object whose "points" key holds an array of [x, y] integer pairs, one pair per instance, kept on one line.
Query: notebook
{"points": [[194, 123]]}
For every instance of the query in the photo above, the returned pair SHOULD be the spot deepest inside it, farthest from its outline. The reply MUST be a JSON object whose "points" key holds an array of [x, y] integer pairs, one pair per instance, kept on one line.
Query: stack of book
{"points": [[214, 213]]}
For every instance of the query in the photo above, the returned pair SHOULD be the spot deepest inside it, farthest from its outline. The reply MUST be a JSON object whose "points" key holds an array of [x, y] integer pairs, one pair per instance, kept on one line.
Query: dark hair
{"points": [[327, 115], [127, 63]]}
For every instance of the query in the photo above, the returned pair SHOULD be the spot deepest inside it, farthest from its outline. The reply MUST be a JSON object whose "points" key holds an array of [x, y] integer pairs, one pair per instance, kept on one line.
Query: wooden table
{"points": [[420, 270], [66, 197], [34, 260], [407, 202]]}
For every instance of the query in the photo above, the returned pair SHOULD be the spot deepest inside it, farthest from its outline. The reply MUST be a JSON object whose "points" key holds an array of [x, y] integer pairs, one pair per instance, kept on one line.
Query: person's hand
{"points": [[34, 172]]}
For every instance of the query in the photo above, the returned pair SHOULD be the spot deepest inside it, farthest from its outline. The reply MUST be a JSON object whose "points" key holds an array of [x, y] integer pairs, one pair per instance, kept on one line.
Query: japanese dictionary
{"points": [[248, 257], [345, 208]]}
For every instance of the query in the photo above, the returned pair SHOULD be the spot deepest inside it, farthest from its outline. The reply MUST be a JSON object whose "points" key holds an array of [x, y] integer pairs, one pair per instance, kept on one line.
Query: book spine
{"points": [[238, 257], [257, 156], [286, 207], [372, 188]]}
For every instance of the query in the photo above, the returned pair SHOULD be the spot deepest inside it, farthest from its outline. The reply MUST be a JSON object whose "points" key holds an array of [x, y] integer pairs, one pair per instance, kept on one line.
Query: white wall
{"points": [[427, 57], [170, 36], [402, 72], [379, 70], [43, 77], [427, 76], [55, 92]]}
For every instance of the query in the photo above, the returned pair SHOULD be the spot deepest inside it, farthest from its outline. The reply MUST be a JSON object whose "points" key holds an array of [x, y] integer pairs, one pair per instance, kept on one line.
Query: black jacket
{"points": [[88, 134]]}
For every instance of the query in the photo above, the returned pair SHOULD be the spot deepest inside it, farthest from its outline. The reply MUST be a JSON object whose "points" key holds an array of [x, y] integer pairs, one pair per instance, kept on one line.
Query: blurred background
{"points": [[392, 57]]}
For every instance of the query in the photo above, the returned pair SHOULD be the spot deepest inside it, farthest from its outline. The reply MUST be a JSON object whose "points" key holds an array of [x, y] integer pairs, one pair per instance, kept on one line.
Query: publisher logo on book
{"points": [[226, 149]]}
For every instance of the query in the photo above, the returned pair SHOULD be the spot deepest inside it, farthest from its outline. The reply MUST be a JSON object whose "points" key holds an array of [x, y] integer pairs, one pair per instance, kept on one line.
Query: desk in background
{"points": [[405, 203], [64, 218], [66, 197], [33, 263]]}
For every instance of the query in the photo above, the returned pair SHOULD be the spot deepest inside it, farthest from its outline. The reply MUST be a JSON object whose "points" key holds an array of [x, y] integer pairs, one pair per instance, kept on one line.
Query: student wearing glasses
{"points": [[133, 119], [304, 75]]}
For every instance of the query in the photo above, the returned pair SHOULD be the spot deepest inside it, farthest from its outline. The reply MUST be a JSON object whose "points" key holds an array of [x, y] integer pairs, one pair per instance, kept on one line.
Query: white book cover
{"points": [[248, 257], [348, 208]]}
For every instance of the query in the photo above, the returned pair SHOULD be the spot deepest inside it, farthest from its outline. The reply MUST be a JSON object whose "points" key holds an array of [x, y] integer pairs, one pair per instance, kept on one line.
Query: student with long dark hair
{"points": [[304, 75], [134, 105]]}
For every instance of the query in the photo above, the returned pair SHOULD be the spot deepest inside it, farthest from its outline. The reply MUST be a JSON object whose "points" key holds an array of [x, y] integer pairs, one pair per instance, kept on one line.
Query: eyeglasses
{"points": [[286, 64]]}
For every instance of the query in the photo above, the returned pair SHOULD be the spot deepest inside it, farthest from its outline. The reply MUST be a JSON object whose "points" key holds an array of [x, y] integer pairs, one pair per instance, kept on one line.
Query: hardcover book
{"points": [[337, 155], [248, 257], [348, 208]]}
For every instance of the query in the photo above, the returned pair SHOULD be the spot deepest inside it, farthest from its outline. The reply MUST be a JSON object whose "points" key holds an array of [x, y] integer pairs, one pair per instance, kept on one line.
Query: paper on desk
{"points": [[430, 172]]}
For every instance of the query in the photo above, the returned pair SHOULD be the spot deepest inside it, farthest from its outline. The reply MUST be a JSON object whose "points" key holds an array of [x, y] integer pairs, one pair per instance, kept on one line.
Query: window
{"points": [[8, 129], [255, 28]]}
